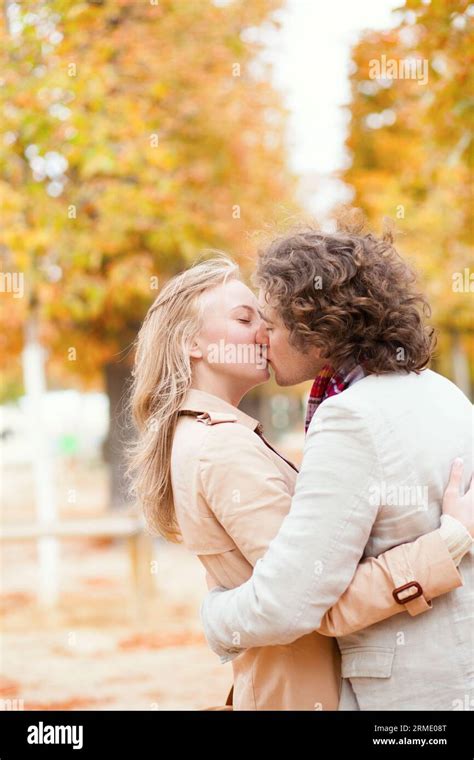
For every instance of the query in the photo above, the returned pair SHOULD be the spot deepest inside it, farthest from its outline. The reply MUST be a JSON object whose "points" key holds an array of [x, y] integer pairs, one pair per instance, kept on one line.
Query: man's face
{"points": [[290, 365]]}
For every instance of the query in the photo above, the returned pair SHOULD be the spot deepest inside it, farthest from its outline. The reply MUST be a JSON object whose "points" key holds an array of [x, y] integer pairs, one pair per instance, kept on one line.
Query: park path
{"points": [[92, 652]]}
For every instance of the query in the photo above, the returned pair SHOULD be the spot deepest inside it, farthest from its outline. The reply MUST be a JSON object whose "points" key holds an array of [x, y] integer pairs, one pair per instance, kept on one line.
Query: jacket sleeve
{"points": [[250, 499], [369, 597]]}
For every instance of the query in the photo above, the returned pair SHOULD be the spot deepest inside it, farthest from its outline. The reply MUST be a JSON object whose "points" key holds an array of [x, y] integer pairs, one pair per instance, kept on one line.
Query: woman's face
{"points": [[227, 347]]}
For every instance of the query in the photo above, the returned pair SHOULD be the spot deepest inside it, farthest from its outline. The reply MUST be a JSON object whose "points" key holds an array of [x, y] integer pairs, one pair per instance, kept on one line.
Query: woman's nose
{"points": [[261, 336]]}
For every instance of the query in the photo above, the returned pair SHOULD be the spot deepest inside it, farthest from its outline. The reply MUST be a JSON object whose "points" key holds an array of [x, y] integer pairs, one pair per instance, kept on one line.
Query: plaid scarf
{"points": [[329, 383]]}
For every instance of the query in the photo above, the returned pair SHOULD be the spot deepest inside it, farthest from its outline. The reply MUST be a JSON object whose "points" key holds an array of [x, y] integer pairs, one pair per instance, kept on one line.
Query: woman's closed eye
{"points": [[245, 321]]}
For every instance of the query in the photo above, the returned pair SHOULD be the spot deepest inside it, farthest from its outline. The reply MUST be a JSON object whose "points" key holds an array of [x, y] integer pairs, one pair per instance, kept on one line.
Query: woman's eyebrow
{"points": [[254, 311], [243, 306]]}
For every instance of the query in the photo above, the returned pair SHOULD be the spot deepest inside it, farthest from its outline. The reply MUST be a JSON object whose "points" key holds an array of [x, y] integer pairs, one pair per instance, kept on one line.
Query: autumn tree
{"points": [[135, 136], [410, 145]]}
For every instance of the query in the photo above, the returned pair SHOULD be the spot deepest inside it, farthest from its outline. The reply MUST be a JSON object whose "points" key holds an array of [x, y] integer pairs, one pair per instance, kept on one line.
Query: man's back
{"points": [[418, 424]]}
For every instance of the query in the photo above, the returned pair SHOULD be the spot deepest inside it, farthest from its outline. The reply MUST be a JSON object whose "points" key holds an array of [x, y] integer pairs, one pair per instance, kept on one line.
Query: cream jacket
{"points": [[232, 491]]}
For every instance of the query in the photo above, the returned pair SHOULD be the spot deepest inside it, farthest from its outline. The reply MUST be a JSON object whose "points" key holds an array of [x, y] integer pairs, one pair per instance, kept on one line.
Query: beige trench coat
{"points": [[229, 537]]}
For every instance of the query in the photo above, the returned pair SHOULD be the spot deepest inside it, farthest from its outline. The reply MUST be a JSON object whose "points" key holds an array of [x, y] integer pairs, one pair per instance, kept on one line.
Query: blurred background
{"points": [[135, 134]]}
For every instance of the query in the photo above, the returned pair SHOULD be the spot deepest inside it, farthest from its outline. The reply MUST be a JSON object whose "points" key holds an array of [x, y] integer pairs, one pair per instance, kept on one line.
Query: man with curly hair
{"points": [[382, 430]]}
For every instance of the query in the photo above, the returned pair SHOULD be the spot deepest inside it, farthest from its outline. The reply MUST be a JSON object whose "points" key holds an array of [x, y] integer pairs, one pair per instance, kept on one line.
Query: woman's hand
{"points": [[460, 507]]}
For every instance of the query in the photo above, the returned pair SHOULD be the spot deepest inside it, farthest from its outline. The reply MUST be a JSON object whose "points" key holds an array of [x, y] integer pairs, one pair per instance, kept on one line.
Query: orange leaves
{"points": [[416, 169], [164, 133]]}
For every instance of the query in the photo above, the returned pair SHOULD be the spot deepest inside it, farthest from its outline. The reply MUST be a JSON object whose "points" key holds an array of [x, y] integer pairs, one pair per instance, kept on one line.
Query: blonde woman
{"points": [[206, 475]]}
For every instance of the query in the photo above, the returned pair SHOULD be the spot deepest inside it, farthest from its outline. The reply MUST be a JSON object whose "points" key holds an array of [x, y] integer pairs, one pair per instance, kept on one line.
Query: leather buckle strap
{"points": [[410, 597], [210, 418]]}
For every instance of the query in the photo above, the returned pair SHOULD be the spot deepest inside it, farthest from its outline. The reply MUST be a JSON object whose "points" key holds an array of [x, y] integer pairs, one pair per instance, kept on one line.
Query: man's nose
{"points": [[261, 336]]}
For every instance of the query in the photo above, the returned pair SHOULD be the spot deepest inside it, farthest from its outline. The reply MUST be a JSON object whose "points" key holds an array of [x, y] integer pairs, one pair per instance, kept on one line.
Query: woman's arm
{"points": [[370, 598], [431, 560], [250, 498]]}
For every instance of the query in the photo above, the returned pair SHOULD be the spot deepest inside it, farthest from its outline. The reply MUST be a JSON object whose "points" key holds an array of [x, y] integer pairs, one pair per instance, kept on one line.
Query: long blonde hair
{"points": [[161, 378]]}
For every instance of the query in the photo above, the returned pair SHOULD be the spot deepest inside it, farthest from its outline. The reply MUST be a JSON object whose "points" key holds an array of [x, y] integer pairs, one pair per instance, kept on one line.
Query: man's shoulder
{"points": [[376, 396], [390, 386]]}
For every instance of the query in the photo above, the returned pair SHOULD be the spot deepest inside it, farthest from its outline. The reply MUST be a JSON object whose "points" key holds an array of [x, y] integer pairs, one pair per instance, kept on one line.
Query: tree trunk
{"points": [[460, 365], [257, 406], [117, 377]]}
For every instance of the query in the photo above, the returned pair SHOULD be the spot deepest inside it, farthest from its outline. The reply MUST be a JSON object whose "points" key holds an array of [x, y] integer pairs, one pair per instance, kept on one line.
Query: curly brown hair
{"points": [[349, 294]]}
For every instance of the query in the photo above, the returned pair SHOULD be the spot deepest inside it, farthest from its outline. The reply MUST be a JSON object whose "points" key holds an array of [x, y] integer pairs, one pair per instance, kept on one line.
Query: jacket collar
{"points": [[206, 403]]}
